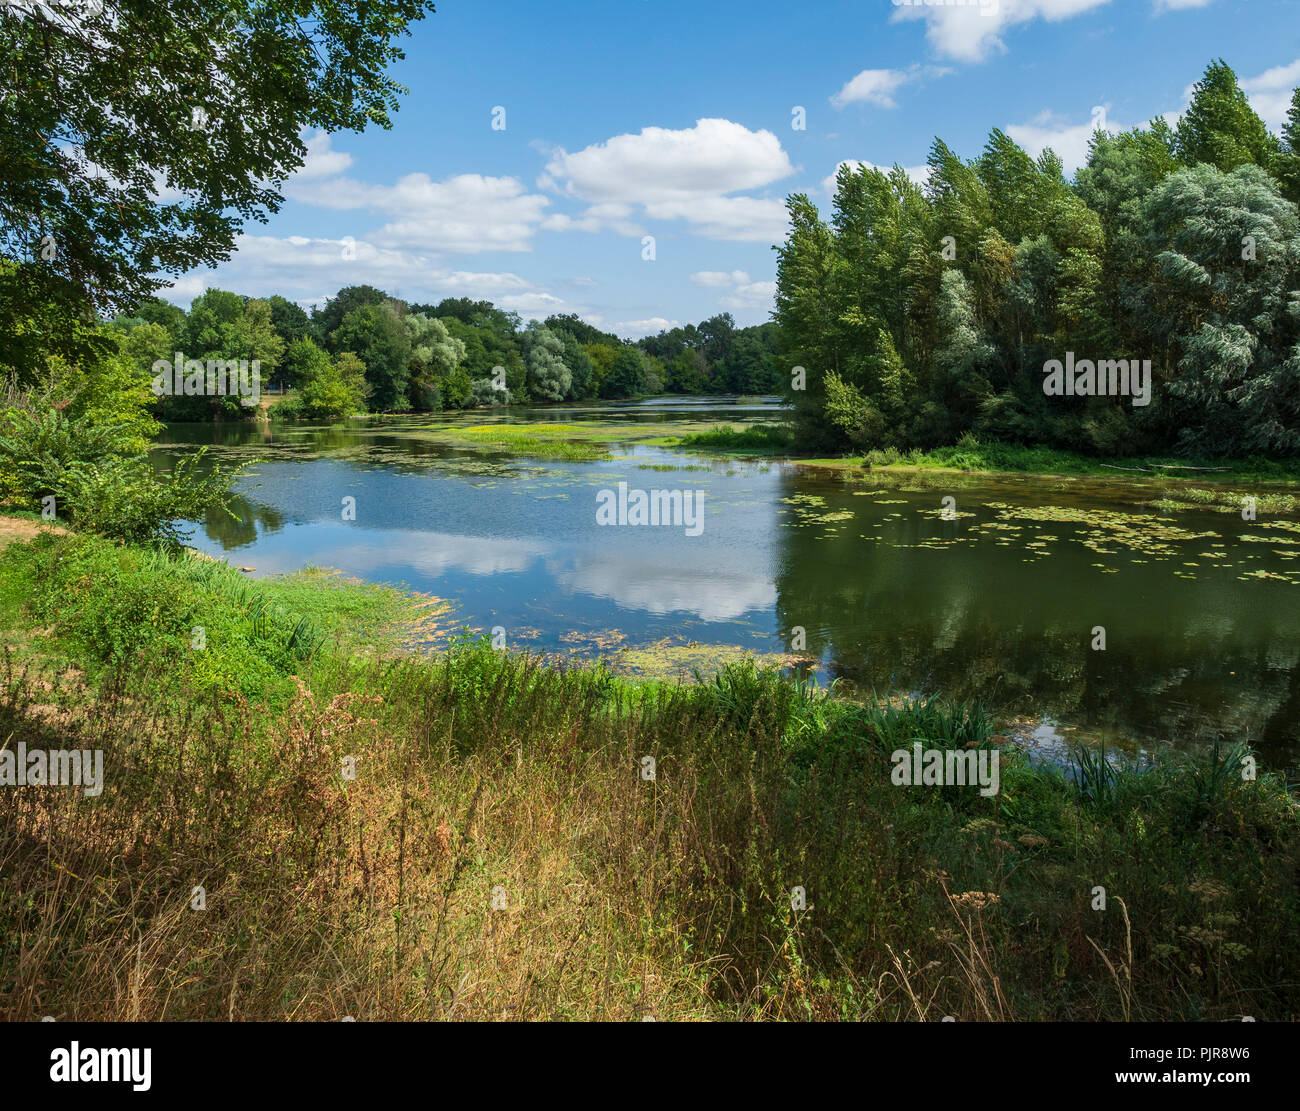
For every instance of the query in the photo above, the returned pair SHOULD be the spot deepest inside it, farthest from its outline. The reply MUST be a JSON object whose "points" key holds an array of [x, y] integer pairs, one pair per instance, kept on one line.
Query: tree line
{"points": [[923, 314], [365, 350]]}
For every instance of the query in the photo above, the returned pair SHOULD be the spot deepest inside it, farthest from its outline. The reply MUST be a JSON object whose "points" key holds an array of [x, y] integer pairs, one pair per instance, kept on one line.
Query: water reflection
{"points": [[998, 605]]}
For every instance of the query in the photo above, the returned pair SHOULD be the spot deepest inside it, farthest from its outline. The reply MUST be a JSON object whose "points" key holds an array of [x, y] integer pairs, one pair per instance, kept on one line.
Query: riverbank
{"points": [[760, 438], [303, 822], [974, 457]]}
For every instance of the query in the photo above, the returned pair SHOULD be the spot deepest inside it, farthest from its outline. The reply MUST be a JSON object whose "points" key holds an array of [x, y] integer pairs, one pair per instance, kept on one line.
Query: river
{"points": [[868, 578]]}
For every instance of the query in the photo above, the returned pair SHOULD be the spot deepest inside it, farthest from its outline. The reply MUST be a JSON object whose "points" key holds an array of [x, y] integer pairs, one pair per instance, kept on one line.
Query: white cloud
{"points": [[970, 31], [744, 294], [536, 303], [710, 278], [653, 583], [714, 156], [739, 219], [611, 216], [1070, 141], [919, 174], [299, 268], [322, 159], [465, 214], [1270, 93], [874, 86], [1180, 5], [877, 86], [685, 175], [185, 288], [751, 295], [635, 329]]}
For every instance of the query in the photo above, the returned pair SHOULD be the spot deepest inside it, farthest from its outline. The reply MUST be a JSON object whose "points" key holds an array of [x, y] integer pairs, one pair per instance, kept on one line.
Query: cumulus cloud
{"points": [[635, 329], [871, 86], [464, 214], [743, 293], [971, 31], [750, 295], [646, 582], [686, 174], [709, 278], [302, 268], [877, 86], [1270, 93], [1069, 140], [322, 159]]}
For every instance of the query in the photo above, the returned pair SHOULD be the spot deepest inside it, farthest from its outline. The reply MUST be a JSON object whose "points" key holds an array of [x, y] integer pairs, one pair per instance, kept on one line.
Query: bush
{"points": [[97, 481], [125, 606], [127, 500]]}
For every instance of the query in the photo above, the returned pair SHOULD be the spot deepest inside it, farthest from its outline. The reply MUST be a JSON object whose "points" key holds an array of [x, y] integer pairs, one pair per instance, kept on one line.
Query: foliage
{"points": [[974, 904], [923, 314], [83, 153], [97, 477]]}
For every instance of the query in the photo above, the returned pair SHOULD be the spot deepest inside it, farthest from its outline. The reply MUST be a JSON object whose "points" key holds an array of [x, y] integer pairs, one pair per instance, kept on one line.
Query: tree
{"points": [[570, 324], [85, 154], [329, 389], [327, 318], [808, 317], [602, 356], [685, 374], [376, 335], [549, 379], [581, 368], [435, 357], [1227, 316], [290, 321], [1220, 127], [223, 326], [627, 375], [301, 359], [1288, 160]]}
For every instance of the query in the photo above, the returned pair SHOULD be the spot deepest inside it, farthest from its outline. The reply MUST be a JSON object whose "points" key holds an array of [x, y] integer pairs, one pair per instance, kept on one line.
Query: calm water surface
{"points": [[1201, 610]]}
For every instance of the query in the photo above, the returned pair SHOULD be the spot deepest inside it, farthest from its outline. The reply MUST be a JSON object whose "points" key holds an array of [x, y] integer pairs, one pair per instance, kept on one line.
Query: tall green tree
{"points": [[138, 137], [1220, 127], [376, 335]]}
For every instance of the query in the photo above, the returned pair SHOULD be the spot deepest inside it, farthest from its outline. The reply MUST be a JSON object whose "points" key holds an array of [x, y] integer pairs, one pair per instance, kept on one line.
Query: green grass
{"points": [[751, 439], [481, 771], [977, 456], [254, 633]]}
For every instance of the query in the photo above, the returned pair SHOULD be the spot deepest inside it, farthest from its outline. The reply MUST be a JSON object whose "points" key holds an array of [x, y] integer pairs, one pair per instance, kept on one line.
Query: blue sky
{"points": [[674, 119]]}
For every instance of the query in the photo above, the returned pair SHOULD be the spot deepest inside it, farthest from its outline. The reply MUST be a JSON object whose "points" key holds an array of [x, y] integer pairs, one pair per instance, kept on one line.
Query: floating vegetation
{"points": [[589, 641], [673, 659], [805, 507], [1292, 577], [1106, 531], [1227, 501]]}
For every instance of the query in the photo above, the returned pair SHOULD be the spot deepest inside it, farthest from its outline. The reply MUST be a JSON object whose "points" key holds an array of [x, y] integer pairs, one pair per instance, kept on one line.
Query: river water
{"points": [[849, 576]]}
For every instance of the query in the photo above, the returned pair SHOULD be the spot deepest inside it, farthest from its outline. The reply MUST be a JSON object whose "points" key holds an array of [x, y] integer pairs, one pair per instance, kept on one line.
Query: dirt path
{"points": [[22, 528]]}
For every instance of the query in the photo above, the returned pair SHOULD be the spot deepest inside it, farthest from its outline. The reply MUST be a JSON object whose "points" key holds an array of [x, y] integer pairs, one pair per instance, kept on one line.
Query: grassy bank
{"points": [[997, 458], [588, 440], [498, 855]]}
